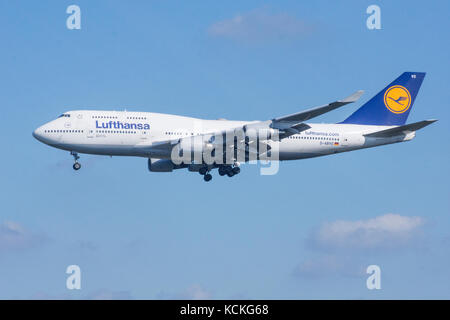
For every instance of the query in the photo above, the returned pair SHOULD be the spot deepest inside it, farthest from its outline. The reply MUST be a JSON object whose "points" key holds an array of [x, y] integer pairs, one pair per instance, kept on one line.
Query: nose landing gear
{"points": [[76, 166]]}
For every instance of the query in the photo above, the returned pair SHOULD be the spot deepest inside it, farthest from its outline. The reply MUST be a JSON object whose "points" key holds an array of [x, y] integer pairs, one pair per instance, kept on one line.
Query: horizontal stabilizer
{"points": [[392, 132]]}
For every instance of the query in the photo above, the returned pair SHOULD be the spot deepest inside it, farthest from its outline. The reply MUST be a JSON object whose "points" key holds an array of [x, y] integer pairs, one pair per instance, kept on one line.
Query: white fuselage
{"points": [[124, 133]]}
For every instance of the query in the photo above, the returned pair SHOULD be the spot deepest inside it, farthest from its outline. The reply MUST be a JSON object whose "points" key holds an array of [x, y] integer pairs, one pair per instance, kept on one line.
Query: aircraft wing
{"points": [[286, 125], [164, 144], [293, 123], [396, 131], [317, 111]]}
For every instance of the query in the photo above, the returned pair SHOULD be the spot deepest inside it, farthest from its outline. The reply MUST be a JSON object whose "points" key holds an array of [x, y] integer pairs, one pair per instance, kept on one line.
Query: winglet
{"points": [[353, 97]]}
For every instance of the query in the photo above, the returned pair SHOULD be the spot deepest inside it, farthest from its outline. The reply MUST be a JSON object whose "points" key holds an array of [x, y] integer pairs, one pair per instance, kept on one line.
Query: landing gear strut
{"points": [[204, 171], [76, 165]]}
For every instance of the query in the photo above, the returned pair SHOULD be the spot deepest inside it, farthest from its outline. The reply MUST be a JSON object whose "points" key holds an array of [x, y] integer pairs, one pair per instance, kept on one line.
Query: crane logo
{"points": [[397, 99]]}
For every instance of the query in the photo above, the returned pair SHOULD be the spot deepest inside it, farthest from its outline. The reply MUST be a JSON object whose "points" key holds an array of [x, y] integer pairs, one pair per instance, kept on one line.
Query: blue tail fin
{"points": [[391, 106]]}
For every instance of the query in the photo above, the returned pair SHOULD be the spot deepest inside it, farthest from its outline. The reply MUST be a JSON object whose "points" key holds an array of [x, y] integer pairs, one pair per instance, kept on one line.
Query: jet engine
{"points": [[160, 165], [194, 147], [262, 131]]}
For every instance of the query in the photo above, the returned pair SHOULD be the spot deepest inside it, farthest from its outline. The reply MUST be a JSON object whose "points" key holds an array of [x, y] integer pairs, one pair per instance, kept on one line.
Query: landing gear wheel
{"points": [[230, 173], [222, 171], [76, 165], [236, 170], [207, 177]]}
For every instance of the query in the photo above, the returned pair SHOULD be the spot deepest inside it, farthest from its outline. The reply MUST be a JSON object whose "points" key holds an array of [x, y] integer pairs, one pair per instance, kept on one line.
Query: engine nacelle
{"points": [[193, 148], [266, 133], [261, 131], [192, 144], [160, 165]]}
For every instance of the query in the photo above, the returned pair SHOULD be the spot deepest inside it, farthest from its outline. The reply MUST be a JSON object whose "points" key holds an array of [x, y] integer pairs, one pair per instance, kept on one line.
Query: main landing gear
{"points": [[204, 171], [229, 170], [76, 165], [223, 170]]}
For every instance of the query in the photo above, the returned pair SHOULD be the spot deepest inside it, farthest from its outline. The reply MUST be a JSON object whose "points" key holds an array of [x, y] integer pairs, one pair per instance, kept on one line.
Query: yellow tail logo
{"points": [[397, 99]]}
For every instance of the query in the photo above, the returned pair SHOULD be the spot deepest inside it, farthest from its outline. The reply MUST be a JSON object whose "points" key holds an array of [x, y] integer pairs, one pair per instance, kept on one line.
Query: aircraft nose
{"points": [[38, 133]]}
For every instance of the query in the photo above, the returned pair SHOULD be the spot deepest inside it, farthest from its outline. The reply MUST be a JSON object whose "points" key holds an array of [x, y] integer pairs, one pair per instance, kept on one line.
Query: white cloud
{"points": [[329, 265], [101, 294], [14, 236], [42, 295], [105, 294], [386, 231], [194, 292], [259, 25], [346, 248]]}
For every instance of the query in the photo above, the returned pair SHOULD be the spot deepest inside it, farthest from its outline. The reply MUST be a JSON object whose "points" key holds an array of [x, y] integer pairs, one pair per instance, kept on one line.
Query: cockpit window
{"points": [[64, 115]]}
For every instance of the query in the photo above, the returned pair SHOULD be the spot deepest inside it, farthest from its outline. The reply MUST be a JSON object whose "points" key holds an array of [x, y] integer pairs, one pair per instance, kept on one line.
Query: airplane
{"points": [[155, 136]]}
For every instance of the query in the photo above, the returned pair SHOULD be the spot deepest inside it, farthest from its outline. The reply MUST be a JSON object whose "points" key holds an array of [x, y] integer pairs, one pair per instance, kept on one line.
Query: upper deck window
{"points": [[64, 115]]}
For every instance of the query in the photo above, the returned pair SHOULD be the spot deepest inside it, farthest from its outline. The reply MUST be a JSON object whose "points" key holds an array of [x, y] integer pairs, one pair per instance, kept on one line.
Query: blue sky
{"points": [[307, 232]]}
